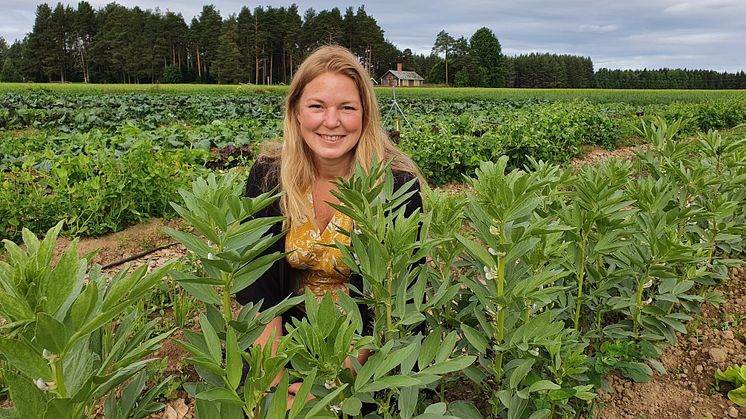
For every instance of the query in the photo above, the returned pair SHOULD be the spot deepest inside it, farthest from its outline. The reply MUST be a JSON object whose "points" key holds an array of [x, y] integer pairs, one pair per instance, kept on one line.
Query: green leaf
{"points": [[541, 414], [50, 333], [325, 401], [84, 305], [190, 241], [203, 293], [60, 409], [542, 385], [211, 339], [475, 338], [278, 405], [391, 381], [28, 400], [393, 360], [190, 278], [25, 358], [636, 371], [220, 395], [64, 283], [450, 365], [302, 394], [233, 360], [14, 307], [520, 249], [520, 372], [446, 347], [464, 410], [429, 348], [352, 406], [482, 255], [248, 274], [407, 402], [738, 396], [438, 408]]}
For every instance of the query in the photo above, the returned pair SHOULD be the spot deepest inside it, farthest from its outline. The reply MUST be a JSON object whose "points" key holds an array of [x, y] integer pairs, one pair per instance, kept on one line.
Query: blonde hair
{"points": [[297, 170]]}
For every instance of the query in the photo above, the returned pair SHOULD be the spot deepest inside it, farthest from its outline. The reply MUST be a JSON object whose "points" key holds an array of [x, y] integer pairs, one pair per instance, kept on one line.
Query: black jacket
{"points": [[274, 285]]}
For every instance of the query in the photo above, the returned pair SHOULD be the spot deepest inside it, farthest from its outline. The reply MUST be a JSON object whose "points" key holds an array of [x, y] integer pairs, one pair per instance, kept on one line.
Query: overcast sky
{"points": [[701, 34]]}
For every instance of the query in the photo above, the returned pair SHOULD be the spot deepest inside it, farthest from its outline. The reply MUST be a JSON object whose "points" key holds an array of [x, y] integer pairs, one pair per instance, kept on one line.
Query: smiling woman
{"points": [[331, 123]]}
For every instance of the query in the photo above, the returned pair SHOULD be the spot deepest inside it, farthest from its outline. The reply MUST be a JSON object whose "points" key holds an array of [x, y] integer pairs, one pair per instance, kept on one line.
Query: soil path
{"points": [[715, 341]]}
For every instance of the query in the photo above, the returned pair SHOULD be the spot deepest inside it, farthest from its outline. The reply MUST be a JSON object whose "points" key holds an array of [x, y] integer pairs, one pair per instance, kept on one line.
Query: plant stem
{"points": [[59, 377], [711, 251], [500, 314], [638, 303], [389, 315], [581, 277], [227, 312]]}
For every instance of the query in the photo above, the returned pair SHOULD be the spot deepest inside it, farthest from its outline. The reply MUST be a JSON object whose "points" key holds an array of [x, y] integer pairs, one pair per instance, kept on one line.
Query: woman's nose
{"points": [[331, 117]]}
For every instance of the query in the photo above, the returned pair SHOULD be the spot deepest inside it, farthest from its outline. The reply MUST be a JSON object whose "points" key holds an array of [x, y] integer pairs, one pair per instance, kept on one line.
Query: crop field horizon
{"points": [[632, 96]]}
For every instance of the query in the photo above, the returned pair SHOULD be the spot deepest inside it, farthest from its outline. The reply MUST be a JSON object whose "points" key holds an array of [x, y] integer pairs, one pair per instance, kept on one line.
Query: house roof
{"points": [[406, 75]]}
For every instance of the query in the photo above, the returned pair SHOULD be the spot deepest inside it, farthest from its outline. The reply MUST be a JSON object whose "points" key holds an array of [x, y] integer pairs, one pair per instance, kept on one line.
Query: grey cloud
{"points": [[622, 34]]}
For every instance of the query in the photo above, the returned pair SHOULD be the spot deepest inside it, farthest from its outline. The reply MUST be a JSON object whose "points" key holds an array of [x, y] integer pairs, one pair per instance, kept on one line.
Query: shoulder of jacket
{"points": [[401, 177]]}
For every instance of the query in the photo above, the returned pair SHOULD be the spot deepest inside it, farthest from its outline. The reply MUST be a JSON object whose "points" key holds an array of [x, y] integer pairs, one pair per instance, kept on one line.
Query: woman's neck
{"points": [[328, 171]]}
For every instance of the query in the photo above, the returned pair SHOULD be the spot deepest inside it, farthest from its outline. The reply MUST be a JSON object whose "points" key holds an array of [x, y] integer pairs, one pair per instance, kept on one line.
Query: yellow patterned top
{"points": [[320, 267]]}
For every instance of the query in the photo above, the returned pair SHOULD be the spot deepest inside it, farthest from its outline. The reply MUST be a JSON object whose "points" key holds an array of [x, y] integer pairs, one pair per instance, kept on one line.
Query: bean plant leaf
{"points": [[28, 400], [278, 405], [520, 372], [220, 395], [50, 333], [25, 358], [233, 360], [352, 406], [211, 339], [450, 365], [738, 396], [475, 338], [429, 348]]}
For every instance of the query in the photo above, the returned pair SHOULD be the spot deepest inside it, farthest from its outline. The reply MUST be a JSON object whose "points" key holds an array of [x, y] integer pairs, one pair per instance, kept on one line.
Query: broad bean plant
{"points": [[71, 336]]}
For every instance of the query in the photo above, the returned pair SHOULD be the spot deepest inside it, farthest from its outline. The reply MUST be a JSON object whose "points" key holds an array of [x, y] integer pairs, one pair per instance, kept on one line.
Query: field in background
{"points": [[446, 93]]}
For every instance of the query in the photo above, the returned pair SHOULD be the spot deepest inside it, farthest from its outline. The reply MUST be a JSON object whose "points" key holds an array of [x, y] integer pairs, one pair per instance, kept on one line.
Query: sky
{"points": [[619, 34]]}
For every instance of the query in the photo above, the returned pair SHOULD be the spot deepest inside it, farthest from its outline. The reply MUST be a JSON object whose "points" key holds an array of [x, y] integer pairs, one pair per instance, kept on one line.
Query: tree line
{"points": [[669, 79], [116, 44]]}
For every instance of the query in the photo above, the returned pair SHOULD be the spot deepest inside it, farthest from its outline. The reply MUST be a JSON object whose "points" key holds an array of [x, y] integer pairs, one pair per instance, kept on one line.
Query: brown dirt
{"points": [[596, 154], [117, 246], [688, 390]]}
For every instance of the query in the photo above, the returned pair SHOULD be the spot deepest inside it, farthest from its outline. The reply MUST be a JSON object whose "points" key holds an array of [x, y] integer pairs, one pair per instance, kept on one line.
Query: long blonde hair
{"points": [[297, 171]]}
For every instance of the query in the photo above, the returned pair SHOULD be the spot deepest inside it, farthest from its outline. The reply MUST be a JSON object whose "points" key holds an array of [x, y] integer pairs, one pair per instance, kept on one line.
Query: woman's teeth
{"points": [[331, 138]]}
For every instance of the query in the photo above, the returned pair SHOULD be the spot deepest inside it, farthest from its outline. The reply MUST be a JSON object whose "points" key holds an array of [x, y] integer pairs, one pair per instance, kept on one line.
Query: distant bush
{"points": [[172, 75]]}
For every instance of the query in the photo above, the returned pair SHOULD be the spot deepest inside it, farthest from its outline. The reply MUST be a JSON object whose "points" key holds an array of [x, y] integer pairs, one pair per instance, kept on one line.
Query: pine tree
{"points": [[227, 64], [486, 51], [443, 44]]}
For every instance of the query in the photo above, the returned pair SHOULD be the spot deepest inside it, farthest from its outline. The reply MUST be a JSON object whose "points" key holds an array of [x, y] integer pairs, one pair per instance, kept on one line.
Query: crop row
{"points": [[102, 179], [80, 113], [538, 282]]}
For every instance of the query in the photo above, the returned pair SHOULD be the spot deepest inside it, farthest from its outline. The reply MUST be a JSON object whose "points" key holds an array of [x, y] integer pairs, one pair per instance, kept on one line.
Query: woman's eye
{"points": [[315, 106]]}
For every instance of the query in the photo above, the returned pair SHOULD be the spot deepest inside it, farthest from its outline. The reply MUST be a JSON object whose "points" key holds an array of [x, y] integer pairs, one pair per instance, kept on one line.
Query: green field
{"points": [[446, 93]]}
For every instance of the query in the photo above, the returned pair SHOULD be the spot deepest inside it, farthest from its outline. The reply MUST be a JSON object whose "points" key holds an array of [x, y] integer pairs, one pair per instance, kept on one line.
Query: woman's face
{"points": [[331, 119]]}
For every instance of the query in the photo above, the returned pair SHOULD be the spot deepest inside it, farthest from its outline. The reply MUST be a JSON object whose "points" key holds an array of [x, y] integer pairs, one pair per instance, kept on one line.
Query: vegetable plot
{"points": [[533, 286]]}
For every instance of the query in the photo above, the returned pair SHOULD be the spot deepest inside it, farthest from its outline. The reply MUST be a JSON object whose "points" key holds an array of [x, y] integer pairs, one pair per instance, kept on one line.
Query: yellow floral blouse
{"points": [[320, 267]]}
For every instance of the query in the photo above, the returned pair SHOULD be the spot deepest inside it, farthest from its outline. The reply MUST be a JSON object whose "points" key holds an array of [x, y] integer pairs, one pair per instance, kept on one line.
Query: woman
{"points": [[331, 122]]}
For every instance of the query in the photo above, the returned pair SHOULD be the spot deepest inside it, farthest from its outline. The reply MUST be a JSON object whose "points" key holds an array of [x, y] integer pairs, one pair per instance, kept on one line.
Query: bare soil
{"points": [[715, 341]]}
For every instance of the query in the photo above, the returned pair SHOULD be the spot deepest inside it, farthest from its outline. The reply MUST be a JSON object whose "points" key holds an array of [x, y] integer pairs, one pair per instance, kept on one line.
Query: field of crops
{"points": [[539, 282]]}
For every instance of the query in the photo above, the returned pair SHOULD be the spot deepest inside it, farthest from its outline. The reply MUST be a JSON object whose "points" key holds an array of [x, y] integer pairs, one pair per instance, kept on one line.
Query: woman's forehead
{"points": [[332, 86]]}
